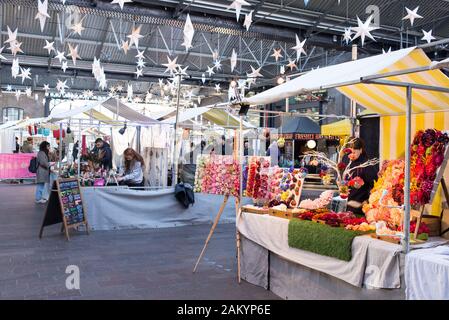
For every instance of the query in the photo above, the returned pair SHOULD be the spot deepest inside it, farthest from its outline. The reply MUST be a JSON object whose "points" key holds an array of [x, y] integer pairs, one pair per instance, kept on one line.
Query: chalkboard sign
{"points": [[65, 206]]}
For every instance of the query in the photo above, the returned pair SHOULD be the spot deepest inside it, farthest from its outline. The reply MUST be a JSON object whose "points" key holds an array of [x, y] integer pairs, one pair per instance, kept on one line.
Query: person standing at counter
{"points": [[357, 196], [27, 146], [103, 151], [133, 171], [43, 172]]}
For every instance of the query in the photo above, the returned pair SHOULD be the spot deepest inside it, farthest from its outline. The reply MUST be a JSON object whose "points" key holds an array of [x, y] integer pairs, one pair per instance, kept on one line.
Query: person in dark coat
{"points": [[17, 146], [368, 174], [103, 151], [75, 151], [43, 172]]}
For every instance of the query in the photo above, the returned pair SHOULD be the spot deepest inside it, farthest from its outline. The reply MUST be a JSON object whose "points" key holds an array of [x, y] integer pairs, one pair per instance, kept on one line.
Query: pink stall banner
{"points": [[15, 165]]}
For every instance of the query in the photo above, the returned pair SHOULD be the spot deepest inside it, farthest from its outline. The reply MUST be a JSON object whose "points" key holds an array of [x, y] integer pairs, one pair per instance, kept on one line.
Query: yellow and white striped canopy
{"points": [[384, 99]]}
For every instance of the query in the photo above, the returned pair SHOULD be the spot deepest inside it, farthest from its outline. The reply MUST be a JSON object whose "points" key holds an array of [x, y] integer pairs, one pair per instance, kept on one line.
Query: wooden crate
{"points": [[434, 224], [280, 213], [255, 210]]}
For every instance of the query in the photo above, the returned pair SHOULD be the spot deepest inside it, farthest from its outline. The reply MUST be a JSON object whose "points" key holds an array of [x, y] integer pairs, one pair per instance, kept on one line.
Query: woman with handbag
{"points": [[43, 172]]}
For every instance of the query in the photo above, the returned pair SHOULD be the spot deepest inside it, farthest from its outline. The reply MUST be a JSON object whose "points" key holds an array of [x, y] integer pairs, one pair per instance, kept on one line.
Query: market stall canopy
{"points": [[22, 123], [382, 99], [338, 128], [111, 104], [219, 117], [299, 125]]}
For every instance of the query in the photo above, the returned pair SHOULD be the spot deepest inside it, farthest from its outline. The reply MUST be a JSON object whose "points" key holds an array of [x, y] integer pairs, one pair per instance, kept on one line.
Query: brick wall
{"points": [[31, 107]]}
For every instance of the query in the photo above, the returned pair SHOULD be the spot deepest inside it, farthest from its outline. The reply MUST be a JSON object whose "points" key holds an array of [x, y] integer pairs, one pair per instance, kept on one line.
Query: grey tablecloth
{"points": [[111, 208]]}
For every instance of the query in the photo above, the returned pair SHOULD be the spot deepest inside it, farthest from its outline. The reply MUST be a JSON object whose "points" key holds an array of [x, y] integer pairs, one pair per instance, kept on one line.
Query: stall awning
{"points": [[377, 98], [117, 107], [338, 128], [299, 125], [99, 116]]}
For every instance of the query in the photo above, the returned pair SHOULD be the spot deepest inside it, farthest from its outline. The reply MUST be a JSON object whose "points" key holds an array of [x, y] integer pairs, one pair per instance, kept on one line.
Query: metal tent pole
{"points": [[175, 153], [241, 159], [79, 150], [60, 149], [406, 223]]}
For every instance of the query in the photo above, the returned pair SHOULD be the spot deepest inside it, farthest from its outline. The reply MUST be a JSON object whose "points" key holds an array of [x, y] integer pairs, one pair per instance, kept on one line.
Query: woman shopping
{"points": [[132, 175], [43, 172]]}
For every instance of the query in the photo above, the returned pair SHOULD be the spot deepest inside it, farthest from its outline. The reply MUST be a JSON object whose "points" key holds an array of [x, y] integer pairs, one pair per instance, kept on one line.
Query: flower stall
{"points": [[314, 242]]}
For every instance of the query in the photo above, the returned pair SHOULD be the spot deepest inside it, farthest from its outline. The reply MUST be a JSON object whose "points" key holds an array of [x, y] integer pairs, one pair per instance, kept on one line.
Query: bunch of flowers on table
{"points": [[255, 164], [391, 179], [321, 202], [427, 155]]}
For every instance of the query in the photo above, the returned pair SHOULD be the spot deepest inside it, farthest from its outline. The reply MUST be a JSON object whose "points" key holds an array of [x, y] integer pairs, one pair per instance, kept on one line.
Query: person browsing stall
{"points": [[104, 152], [43, 172], [133, 169], [357, 196]]}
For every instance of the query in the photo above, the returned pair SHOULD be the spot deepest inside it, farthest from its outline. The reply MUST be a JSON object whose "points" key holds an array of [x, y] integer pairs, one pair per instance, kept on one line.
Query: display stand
{"points": [[438, 180], [65, 206]]}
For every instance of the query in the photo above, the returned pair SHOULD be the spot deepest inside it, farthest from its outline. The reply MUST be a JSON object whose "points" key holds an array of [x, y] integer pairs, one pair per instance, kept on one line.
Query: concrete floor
{"points": [[128, 264]]}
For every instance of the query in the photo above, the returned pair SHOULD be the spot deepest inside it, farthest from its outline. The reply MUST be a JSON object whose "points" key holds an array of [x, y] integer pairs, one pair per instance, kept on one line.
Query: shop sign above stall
{"points": [[304, 136]]}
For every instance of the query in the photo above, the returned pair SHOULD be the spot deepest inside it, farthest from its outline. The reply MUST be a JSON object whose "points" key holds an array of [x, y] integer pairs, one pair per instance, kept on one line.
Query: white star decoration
{"points": [[64, 66], [135, 36], [140, 54], [46, 87], [12, 36], [60, 56], [8, 87], [255, 73], [171, 65], [2, 57], [233, 60], [78, 27], [385, 52], [18, 93], [141, 63], [210, 71], [217, 87], [189, 31], [15, 68], [299, 48], [363, 29], [25, 74], [121, 3], [277, 54], [28, 91], [203, 78], [74, 54], [139, 73], [282, 69], [412, 15], [248, 20], [291, 64], [347, 35], [217, 65], [427, 36], [125, 46], [61, 85], [42, 13], [49, 47], [237, 5]]}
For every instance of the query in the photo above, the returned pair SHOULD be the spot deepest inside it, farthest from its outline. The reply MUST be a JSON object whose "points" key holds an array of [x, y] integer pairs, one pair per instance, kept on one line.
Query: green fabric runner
{"points": [[321, 239]]}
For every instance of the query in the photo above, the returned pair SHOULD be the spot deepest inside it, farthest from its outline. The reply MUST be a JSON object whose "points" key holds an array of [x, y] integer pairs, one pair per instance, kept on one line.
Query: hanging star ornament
{"points": [[386, 52], [42, 13], [25, 74], [203, 78], [140, 54], [14, 47], [237, 5], [138, 73], [121, 3], [18, 93], [78, 27], [9, 88], [248, 20], [277, 54], [49, 46], [217, 87], [255, 73], [282, 69], [412, 15], [28, 91], [299, 48], [129, 93], [427, 36], [217, 65], [46, 87], [171, 65], [233, 60], [189, 31], [64, 66], [12, 36], [347, 35], [125, 46], [292, 64], [15, 68], [141, 63], [363, 30], [60, 56], [2, 57], [61, 85], [135, 36], [183, 72], [210, 70], [73, 53]]}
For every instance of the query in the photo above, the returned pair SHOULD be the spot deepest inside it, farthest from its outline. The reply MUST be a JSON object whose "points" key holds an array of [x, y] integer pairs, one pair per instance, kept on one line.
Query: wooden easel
{"points": [[211, 232]]}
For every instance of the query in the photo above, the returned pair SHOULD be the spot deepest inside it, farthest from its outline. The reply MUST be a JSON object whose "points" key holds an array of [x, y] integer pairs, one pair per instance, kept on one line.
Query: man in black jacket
{"points": [[103, 151]]}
